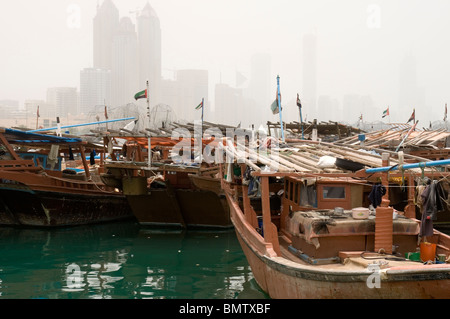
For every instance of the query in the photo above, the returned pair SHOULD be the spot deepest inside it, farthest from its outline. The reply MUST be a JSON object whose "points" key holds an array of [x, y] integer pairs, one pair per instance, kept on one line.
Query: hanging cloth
{"points": [[432, 200], [376, 195], [92, 157], [52, 158], [433, 203], [110, 147], [71, 158], [426, 225]]}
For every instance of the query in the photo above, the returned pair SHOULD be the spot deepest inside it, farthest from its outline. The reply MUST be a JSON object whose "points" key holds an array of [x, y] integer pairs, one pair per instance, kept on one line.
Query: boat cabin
{"points": [[323, 216]]}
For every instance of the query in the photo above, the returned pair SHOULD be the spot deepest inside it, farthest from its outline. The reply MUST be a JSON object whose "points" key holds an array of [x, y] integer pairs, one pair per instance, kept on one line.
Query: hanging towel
{"points": [[71, 158], [52, 158], [376, 195], [432, 200], [92, 157], [433, 203]]}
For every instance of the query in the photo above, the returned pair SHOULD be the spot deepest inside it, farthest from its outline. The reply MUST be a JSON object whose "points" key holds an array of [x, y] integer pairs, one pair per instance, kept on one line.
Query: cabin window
{"points": [[333, 192], [308, 196]]}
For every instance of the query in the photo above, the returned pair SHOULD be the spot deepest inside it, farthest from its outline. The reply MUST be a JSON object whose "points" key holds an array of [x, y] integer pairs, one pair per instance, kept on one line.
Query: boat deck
{"points": [[321, 238], [349, 260]]}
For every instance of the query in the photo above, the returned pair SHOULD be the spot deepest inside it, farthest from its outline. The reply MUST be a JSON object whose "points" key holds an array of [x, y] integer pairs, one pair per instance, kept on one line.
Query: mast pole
{"points": [[149, 141], [279, 108]]}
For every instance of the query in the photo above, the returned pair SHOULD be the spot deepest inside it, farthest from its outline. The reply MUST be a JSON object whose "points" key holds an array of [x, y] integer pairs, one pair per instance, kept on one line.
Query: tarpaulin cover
{"points": [[315, 224], [23, 137]]}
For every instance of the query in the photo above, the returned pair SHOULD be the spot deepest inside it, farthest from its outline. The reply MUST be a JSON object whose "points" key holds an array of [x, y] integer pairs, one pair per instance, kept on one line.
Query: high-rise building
{"points": [[95, 89], [149, 52], [64, 100], [125, 71], [229, 105], [133, 56], [106, 23]]}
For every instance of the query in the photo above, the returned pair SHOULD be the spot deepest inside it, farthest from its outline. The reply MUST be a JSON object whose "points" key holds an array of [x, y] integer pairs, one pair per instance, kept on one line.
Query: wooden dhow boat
{"points": [[167, 194], [334, 233], [37, 191]]}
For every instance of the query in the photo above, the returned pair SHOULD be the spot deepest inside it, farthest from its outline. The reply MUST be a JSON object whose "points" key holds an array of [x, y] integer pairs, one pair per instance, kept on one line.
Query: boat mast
{"points": [[279, 108], [149, 152]]}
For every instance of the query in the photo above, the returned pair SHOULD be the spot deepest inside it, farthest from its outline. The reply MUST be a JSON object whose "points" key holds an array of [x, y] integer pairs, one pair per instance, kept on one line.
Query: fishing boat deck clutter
{"points": [[317, 220]]}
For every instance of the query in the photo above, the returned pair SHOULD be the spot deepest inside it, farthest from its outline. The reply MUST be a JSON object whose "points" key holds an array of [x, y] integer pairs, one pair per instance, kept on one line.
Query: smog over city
{"points": [[348, 60]]}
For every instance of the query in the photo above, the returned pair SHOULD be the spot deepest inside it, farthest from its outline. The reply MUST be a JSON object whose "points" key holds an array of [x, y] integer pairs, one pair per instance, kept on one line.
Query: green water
{"points": [[123, 261]]}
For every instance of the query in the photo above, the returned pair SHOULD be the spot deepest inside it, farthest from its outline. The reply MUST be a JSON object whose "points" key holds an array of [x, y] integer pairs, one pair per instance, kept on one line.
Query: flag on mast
{"points": [[386, 113], [413, 117], [141, 95], [275, 107], [38, 115], [200, 106], [299, 103], [445, 115]]}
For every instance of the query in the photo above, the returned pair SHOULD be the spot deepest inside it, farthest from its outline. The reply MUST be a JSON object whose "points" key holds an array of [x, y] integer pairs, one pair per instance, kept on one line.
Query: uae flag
{"points": [[413, 117], [199, 106], [141, 95], [386, 113], [275, 107]]}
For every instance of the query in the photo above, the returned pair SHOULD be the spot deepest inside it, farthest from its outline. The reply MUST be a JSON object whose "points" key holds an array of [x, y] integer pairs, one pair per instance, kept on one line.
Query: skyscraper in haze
{"points": [[149, 52], [309, 94], [64, 100], [106, 23], [133, 56], [95, 89], [124, 73]]}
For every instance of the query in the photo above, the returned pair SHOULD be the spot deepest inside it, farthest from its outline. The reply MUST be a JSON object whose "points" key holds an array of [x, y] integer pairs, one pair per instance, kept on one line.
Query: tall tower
{"points": [[124, 73], [149, 52], [106, 23], [95, 89], [64, 100]]}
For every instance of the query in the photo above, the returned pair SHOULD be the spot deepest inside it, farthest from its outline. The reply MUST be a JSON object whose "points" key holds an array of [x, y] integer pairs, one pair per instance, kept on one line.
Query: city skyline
{"points": [[360, 48]]}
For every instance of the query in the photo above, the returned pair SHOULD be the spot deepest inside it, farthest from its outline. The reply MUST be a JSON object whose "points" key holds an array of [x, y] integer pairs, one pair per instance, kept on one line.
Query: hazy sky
{"points": [[360, 44]]}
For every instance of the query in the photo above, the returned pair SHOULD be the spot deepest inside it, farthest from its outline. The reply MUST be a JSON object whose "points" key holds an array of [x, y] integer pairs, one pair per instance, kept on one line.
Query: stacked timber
{"points": [[402, 136]]}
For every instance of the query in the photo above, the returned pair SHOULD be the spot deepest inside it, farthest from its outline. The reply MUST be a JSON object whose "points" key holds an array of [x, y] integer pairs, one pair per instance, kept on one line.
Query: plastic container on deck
{"points": [[427, 252], [414, 256], [360, 213]]}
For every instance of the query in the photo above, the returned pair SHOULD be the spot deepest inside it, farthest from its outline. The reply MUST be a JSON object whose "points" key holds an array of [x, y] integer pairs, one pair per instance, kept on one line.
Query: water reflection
{"points": [[123, 260]]}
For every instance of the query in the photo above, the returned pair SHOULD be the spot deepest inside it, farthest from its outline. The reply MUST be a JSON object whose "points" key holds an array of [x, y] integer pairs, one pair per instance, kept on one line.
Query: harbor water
{"points": [[123, 261]]}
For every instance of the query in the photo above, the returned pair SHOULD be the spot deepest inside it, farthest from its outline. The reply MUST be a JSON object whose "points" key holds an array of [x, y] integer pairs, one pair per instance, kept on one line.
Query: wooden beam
{"points": [[270, 230]]}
